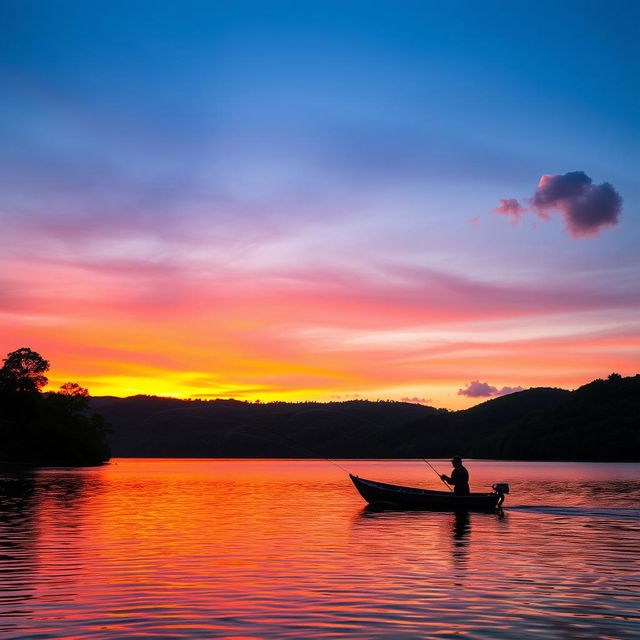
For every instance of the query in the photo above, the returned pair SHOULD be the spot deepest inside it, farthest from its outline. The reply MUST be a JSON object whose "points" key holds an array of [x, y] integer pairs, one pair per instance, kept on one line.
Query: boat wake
{"points": [[625, 513]]}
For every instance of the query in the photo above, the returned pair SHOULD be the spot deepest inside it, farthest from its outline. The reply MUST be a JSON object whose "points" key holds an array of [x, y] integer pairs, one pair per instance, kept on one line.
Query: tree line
{"points": [[597, 422]]}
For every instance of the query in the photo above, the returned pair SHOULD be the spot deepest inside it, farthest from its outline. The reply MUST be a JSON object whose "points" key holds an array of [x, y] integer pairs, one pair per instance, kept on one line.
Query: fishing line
{"points": [[293, 444]]}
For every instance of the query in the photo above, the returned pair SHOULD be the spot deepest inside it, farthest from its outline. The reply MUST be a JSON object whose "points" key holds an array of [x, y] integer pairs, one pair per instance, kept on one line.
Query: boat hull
{"points": [[380, 494]]}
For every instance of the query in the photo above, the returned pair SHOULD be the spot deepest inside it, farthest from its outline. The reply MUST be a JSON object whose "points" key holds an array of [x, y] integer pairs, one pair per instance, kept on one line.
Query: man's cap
{"points": [[456, 459]]}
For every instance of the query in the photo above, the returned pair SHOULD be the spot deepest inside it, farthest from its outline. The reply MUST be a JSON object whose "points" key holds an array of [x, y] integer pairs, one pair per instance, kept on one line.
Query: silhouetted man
{"points": [[459, 477]]}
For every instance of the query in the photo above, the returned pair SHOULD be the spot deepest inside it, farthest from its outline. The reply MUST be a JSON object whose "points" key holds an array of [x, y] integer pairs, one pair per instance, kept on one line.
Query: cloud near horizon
{"points": [[586, 207], [477, 389]]}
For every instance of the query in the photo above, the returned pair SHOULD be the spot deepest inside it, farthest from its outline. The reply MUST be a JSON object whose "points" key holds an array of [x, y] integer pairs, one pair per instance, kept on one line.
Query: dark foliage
{"points": [[46, 429], [599, 421], [23, 371], [150, 426], [469, 432], [21, 378]]}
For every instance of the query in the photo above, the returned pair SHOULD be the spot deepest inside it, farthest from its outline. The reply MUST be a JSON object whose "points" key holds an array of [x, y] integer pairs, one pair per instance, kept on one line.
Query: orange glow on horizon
{"points": [[273, 339]]}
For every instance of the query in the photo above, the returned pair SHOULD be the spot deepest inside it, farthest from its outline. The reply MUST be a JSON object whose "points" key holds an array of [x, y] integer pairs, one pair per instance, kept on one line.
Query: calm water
{"points": [[287, 549]]}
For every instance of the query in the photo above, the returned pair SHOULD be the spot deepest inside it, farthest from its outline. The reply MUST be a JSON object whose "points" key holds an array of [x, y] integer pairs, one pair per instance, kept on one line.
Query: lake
{"points": [[250, 549]]}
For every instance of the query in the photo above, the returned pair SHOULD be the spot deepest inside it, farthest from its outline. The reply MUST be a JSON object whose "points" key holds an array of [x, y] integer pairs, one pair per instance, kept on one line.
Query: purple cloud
{"points": [[477, 389], [507, 390], [586, 207], [415, 400]]}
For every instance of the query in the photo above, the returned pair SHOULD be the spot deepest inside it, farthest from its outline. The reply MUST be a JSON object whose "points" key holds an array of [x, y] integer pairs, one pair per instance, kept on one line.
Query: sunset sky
{"points": [[321, 200]]}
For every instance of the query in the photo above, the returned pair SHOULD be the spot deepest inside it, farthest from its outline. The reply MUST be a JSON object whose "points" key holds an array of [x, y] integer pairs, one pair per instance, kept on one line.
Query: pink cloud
{"points": [[398, 296], [477, 389], [415, 400], [510, 207], [507, 390]]}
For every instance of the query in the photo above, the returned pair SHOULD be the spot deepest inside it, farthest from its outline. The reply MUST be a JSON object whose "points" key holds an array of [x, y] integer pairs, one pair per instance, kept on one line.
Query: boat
{"points": [[381, 494]]}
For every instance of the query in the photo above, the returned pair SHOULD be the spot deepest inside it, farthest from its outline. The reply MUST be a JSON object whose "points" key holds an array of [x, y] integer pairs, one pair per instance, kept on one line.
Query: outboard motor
{"points": [[500, 488]]}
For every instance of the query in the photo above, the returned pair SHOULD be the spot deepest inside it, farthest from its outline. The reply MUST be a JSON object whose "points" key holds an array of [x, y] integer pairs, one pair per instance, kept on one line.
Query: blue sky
{"points": [[289, 139]]}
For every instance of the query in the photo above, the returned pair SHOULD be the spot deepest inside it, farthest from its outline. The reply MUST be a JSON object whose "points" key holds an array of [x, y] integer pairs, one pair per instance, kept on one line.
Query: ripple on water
{"points": [[286, 549]]}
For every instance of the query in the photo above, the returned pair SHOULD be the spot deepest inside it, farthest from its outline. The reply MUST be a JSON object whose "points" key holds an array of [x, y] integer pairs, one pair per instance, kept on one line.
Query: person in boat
{"points": [[459, 478]]}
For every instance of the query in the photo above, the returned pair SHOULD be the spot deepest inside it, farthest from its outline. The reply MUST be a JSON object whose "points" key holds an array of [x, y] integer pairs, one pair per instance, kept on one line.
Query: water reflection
{"points": [[18, 554], [461, 525], [275, 549], [460, 540], [40, 523], [424, 527]]}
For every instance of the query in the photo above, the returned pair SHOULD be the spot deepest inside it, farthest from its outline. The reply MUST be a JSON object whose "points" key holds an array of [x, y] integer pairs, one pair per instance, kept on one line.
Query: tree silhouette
{"points": [[23, 372], [21, 379], [52, 428]]}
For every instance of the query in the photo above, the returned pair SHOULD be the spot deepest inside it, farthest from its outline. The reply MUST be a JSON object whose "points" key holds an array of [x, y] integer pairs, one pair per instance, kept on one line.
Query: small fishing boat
{"points": [[380, 494]]}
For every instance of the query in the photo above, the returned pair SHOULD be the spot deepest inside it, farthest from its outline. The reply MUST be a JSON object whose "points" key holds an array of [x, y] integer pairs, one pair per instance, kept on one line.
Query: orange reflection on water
{"points": [[265, 549]]}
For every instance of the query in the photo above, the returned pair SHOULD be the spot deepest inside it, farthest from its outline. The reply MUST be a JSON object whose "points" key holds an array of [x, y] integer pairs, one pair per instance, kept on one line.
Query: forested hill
{"points": [[159, 427], [599, 421]]}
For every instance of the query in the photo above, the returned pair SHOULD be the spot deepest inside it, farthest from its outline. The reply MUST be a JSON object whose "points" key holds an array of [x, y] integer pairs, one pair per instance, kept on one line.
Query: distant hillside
{"points": [[470, 432], [599, 421], [158, 427]]}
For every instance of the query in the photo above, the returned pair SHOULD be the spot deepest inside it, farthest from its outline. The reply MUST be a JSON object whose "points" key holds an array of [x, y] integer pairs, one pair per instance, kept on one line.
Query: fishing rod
{"points": [[439, 476]]}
